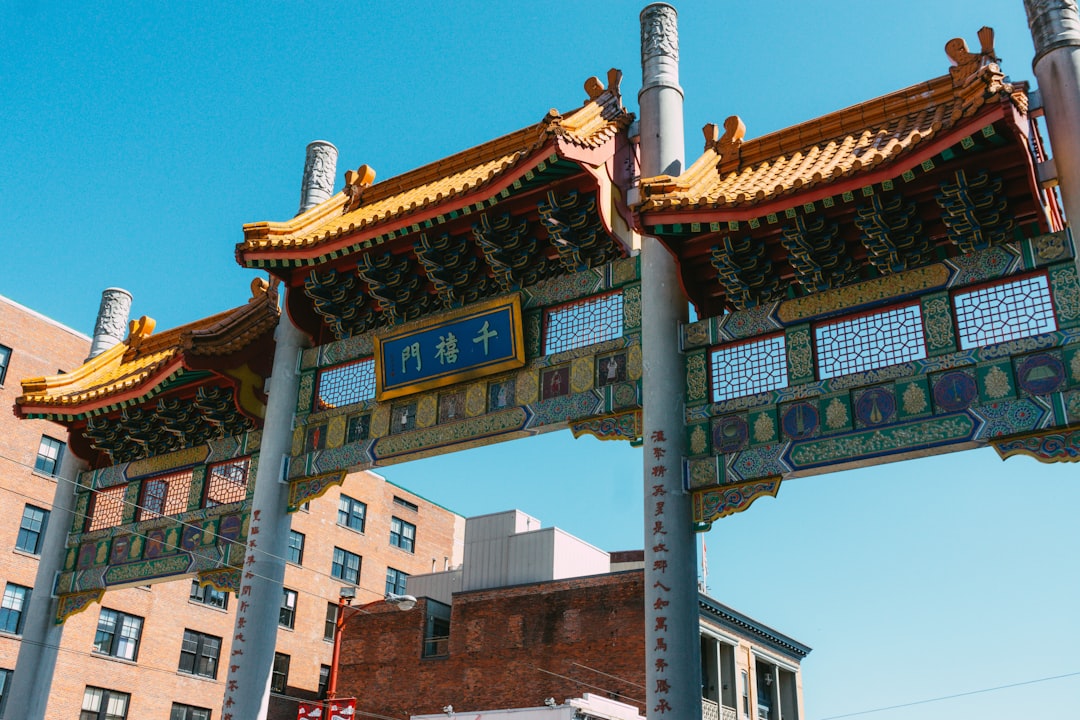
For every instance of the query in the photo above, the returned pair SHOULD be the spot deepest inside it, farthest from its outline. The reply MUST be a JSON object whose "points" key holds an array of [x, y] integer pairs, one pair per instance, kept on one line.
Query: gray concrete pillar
{"points": [[251, 657], [28, 696], [672, 648], [320, 168], [112, 319], [1055, 30]]}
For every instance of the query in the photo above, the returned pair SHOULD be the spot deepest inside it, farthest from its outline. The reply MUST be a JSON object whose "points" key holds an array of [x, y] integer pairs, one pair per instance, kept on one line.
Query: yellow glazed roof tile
{"points": [[127, 367], [362, 206], [733, 173]]}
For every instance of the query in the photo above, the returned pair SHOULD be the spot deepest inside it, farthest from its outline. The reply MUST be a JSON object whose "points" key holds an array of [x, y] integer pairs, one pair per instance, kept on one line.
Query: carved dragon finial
{"points": [[729, 146], [139, 330], [965, 62], [355, 182]]}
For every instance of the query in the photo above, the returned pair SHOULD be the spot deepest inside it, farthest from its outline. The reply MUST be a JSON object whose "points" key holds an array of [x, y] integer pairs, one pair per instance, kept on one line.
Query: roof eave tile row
{"points": [[440, 184]]}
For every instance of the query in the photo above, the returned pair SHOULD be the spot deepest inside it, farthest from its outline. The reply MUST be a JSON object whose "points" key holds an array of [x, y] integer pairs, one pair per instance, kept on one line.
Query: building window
{"points": [[5, 682], [199, 654], [351, 513], [188, 712], [331, 621], [279, 677], [406, 504], [295, 553], [118, 634], [395, 581], [208, 595], [165, 495], [5, 360], [436, 629], [32, 529], [402, 534], [346, 566], [11, 608], [287, 614], [102, 704], [50, 453], [324, 680]]}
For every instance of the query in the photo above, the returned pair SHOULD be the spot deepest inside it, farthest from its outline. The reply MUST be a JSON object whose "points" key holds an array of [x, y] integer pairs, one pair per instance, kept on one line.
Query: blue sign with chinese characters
{"points": [[483, 339]]}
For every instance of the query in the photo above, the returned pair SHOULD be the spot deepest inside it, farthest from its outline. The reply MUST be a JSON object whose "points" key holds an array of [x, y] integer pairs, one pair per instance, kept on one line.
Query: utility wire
{"points": [[194, 553], [950, 697]]}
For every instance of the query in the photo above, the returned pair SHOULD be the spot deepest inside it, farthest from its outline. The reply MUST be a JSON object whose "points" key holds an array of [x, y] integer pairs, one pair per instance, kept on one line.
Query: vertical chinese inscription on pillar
{"points": [[239, 639], [657, 454]]}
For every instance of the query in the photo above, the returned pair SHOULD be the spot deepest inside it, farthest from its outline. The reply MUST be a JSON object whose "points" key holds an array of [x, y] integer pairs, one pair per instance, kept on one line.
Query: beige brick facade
{"points": [[152, 680]]}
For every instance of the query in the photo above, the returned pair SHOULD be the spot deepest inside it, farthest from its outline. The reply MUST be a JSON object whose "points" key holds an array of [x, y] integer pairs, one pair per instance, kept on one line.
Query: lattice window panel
{"points": [[1004, 311], [346, 384], [748, 368], [871, 341], [583, 322], [227, 482], [106, 508], [165, 495]]}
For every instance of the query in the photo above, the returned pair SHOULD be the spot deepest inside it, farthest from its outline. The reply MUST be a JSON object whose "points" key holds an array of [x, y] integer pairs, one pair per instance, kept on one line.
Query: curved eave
{"points": [[357, 240], [704, 211], [137, 392]]}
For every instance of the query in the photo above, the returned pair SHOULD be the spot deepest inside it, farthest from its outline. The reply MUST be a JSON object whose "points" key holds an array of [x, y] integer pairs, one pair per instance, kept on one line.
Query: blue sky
{"points": [[137, 139]]}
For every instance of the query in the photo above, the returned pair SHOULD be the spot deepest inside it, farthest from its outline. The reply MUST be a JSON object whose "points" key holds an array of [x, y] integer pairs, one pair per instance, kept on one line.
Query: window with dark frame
{"points": [[118, 634], [5, 360], [324, 680], [11, 608], [208, 595], [295, 552], [345, 566], [102, 704], [287, 614], [50, 453], [199, 654], [436, 629], [331, 621], [406, 504], [188, 712], [32, 529], [279, 676], [402, 534], [395, 581], [351, 513]]}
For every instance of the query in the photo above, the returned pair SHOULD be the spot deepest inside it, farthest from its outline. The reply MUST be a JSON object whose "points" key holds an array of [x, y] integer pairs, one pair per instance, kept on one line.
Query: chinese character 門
{"points": [[408, 352]]}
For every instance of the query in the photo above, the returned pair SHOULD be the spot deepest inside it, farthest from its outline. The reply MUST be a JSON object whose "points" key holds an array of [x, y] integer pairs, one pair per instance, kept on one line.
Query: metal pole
{"points": [[672, 650], [1055, 30], [251, 657], [339, 623]]}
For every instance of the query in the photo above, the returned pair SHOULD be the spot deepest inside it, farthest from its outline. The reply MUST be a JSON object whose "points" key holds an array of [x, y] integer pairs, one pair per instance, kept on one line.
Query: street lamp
{"points": [[345, 598]]}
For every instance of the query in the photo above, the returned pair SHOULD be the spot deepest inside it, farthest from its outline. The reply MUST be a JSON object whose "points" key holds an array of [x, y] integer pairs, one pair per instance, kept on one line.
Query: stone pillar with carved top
{"points": [[1055, 30], [672, 672], [320, 167], [251, 657], [112, 318]]}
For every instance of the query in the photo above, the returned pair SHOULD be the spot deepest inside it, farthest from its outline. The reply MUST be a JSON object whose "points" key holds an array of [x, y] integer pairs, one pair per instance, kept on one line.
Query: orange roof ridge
{"points": [[142, 355], [598, 119], [736, 171]]}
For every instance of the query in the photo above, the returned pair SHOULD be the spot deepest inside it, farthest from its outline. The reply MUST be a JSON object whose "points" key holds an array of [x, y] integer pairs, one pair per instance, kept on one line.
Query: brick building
{"points": [[159, 649], [515, 626]]}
